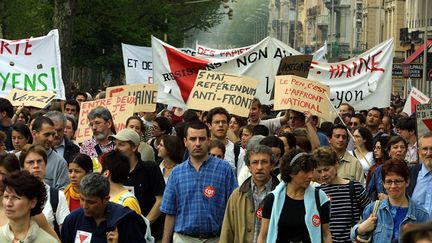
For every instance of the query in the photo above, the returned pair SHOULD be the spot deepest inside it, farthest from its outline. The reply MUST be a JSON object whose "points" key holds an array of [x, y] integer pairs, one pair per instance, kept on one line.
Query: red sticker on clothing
{"points": [[258, 213], [328, 196], [316, 221], [210, 191]]}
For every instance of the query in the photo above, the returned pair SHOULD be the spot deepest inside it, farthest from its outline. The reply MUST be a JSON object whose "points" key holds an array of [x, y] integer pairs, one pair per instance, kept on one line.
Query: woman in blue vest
{"points": [[295, 211], [395, 211]]}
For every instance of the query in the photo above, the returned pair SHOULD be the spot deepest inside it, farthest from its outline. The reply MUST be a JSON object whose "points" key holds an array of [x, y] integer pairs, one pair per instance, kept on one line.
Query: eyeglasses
{"points": [[96, 123], [426, 149], [217, 155], [396, 182]]}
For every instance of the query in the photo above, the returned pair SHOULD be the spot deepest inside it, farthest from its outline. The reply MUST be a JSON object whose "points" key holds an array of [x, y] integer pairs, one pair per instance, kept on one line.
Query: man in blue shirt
{"points": [[421, 175], [197, 191]]}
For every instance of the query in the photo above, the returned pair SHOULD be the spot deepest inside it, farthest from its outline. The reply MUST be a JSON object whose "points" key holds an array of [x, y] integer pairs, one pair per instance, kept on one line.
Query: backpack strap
{"points": [[318, 206], [54, 201]]}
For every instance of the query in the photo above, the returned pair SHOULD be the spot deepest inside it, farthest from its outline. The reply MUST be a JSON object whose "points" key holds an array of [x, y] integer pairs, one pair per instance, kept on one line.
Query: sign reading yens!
{"points": [[300, 94], [32, 65], [145, 95], [213, 89], [37, 99], [121, 108]]}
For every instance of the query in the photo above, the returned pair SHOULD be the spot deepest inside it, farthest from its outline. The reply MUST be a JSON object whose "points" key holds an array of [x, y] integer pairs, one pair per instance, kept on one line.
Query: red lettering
{"points": [[375, 63], [4, 46]]}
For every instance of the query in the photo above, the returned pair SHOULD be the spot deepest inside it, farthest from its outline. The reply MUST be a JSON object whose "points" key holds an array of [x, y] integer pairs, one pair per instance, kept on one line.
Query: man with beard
{"points": [[421, 175], [197, 191], [102, 126]]}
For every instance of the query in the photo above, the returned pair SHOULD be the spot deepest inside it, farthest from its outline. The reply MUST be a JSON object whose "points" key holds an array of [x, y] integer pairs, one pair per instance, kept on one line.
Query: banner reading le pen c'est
{"points": [[121, 109], [300, 94], [145, 95], [32, 64], [212, 89]]}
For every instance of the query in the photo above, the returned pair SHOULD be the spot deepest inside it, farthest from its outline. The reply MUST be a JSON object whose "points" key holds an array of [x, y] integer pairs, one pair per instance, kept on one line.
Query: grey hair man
{"points": [[63, 146], [102, 126], [100, 220]]}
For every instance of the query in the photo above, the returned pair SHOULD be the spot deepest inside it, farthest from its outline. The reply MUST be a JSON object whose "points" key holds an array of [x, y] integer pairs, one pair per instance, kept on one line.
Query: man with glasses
{"points": [[420, 184], [242, 220], [102, 126], [217, 120]]}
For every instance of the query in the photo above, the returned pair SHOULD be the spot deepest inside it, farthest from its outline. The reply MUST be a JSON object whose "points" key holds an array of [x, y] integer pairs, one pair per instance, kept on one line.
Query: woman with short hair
{"points": [[23, 196]]}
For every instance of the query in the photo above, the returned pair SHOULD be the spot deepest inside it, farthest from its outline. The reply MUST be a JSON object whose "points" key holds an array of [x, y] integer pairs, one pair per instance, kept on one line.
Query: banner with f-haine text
{"points": [[32, 64]]}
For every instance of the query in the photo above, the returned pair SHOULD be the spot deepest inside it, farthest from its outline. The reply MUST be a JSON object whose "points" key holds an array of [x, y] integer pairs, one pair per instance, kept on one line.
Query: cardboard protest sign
{"points": [[121, 108], [145, 95], [212, 89], [300, 94], [31, 64], [415, 97], [37, 99], [294, 65], [362, 81], [424, 119]]}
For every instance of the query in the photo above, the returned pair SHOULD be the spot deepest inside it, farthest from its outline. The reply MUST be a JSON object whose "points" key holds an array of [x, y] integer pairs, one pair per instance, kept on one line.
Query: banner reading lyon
{"points": [[300, 94], [176, 72], [32, 64], [212, 89], [363, 81]]}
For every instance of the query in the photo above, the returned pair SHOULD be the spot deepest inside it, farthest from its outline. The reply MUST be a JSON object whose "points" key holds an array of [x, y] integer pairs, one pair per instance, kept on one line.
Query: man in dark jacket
{"points": [[63, 146], [98, 219]]}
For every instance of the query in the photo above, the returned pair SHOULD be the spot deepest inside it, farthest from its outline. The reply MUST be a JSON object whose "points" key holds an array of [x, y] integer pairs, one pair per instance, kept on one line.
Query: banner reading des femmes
{"points": [[32, 65]]}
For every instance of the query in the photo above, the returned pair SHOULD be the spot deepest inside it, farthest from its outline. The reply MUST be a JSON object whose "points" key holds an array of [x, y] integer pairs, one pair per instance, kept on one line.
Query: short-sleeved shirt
{"points": [[291, 225], [89, 147], [198, 198]]}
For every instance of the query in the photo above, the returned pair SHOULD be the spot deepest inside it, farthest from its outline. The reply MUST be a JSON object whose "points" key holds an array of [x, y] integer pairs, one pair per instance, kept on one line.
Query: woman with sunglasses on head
{"points": [[295, 211], [348, 198], [171, 150], [393, 212]]}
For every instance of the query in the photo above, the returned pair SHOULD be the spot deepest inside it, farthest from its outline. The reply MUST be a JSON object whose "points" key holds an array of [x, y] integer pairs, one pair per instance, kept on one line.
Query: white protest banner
{"points": [[318, 55], [301, 94], [424, 119], [31, 64], [121, 108], [145, 95], [363, 81], [415, 97], [216, 53], [175, 71], [138, 64], [213, 89], [37, 99]]}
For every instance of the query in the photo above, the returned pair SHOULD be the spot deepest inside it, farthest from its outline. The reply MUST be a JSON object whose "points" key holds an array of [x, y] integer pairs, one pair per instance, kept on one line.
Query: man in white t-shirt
{"points": [[217, 120]]}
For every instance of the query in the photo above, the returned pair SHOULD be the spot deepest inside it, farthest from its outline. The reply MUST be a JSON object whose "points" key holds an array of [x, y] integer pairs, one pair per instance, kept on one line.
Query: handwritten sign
{"points": [[145, 94], [213, 89], [121, 109], [301, 94], [424, 119], [37, 99]]}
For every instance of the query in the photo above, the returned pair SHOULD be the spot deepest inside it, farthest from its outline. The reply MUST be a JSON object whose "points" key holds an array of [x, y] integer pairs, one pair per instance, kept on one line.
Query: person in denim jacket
{"points": [[394, 212]]}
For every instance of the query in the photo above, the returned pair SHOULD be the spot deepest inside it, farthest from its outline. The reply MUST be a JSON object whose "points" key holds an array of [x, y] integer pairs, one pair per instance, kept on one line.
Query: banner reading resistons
{"points": [[121, 108], [32, 64], [300, 94], [213, 89]]}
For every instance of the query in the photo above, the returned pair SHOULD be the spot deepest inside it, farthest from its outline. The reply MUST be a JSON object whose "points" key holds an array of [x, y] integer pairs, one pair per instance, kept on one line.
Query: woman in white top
{"points": [[363, 151], [23, 196]]}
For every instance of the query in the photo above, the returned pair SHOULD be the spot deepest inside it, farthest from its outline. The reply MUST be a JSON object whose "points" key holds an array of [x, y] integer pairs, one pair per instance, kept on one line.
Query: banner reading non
{"points": [[145, 94], [213, 89], [121, 108], [300, 94]]}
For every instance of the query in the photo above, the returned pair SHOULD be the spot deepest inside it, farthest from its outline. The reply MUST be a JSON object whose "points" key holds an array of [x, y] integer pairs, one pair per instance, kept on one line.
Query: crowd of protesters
{"points": [[177, 175]]}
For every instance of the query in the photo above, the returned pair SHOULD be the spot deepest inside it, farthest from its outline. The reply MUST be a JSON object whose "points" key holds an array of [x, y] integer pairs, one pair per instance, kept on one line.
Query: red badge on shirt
{"points": [[316, 221], [258, 213], [210, 191], [328, 196]]}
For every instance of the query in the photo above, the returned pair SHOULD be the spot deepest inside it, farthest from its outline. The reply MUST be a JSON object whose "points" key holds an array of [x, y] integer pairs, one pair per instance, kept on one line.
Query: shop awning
{"points": [[417, 53]]}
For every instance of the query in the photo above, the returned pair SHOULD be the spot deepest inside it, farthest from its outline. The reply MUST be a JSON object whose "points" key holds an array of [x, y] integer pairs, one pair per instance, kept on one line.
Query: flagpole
{"points": [[425, 40]]}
